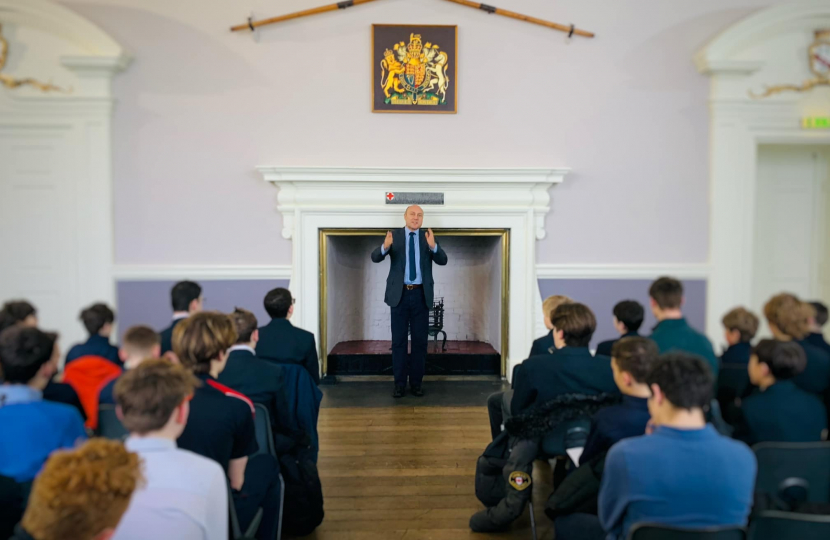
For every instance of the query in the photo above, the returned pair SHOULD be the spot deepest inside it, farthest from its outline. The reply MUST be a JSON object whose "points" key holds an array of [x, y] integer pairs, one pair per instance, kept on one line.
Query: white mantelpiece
{"points": [[312, 198]]}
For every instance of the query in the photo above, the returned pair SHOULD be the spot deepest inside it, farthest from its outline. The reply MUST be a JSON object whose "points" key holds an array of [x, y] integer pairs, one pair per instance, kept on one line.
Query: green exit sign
{"points": [[815, 122]]}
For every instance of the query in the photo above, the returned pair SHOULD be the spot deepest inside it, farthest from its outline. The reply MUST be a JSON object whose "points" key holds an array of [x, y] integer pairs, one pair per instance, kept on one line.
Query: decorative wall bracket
{"points": [[10, 82]]}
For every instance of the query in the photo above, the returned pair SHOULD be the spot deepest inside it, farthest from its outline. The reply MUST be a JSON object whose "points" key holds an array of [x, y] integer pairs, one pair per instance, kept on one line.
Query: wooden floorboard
{"points": [[407, 473]]}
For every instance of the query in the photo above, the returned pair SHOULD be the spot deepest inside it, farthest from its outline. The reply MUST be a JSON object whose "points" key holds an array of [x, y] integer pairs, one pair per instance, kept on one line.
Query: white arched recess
{"points": [[766, 49], [55, 163]]}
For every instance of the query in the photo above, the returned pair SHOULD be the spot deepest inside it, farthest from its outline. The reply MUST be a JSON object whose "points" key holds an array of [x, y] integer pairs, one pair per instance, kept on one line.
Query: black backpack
{"points": [[303, 500]]}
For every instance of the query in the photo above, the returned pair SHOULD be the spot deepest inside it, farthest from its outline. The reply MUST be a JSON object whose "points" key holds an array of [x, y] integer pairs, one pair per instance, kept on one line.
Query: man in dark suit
{"points": [[282, 342], [628, 317], [258, 379], [409, 292], [186, 297]]}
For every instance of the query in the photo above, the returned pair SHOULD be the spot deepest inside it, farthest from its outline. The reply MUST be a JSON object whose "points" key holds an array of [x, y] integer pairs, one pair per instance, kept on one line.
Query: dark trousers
{"points": [[410, 315], [261, 489]]}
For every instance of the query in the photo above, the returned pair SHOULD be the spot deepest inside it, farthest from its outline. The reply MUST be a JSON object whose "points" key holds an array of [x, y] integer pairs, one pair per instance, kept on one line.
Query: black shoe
{"points": [[417, 391], [399, 392]]}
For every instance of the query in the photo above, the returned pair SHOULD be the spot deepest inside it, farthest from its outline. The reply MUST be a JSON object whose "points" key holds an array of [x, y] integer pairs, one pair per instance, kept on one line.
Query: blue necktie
{"points": [[412, 272]]}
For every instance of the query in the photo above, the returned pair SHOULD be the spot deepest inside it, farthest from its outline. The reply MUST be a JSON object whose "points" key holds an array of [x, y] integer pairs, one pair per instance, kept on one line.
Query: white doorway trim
{"points": [[83, 63], [737, 61]]}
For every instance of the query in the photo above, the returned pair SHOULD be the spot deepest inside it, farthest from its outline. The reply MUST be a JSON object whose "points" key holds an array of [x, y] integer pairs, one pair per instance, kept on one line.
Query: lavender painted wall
{"points": [[602, 294], [200, 107], [148, 302]]}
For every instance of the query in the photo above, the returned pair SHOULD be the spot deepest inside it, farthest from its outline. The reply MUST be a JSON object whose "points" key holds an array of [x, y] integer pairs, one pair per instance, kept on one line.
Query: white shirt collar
{"points": [[410, 230], [177, 316], [242, 348], [149, 444]]}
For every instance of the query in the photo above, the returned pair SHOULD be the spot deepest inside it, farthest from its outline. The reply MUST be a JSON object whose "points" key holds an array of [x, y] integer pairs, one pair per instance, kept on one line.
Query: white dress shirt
{"points": [[185, 496]]}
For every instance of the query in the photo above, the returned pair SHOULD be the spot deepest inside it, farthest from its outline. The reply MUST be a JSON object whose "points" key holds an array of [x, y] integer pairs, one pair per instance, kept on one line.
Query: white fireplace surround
{"points": [[314, 198]]}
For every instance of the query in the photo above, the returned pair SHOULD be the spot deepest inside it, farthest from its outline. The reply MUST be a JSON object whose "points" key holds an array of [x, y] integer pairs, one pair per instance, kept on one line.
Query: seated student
{"points": [[789, 320], [628, 317], [281, 341], [81, 494], [258, 379], [570, 370], [498, 403], [672, 332], [779, 411], [544, 344], [97, 319], [185, 495], [631, 360], [140, 343], [684, 474], [817, 321], [186, 299], [221, 421], [740, 326], [17, 312], [31, 428]]}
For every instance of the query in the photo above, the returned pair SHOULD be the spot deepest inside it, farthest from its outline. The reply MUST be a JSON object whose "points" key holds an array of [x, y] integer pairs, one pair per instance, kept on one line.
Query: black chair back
{"points": [[651, 531], [109, 426], [571, 434], [264, 433], [773, 525], [778, 463]]}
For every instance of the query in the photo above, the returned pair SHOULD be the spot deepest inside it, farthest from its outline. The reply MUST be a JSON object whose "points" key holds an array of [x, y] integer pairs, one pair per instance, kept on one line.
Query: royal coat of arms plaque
{"points": [[415, 68]]}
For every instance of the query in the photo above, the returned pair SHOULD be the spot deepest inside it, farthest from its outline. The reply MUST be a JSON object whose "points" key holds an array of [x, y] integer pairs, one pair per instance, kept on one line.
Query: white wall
{"points": [[200, 107]]}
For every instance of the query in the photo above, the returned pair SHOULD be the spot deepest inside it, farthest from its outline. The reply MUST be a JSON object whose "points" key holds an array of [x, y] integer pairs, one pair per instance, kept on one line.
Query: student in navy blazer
{"points": [[97, 319], [628, 317], [282, 342], [186, 298], [409, 292]]}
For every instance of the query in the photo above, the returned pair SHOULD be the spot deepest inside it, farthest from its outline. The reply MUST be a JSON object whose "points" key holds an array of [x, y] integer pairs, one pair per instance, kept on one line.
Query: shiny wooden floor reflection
{"points": [[408, 473]]}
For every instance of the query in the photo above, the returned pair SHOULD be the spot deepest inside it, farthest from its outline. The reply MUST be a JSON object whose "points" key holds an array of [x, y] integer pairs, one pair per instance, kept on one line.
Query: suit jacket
{"points": [[397, 253], [817, 340], [282, 342], [604, 348], [260, 380], [570, 370], [782, 413], [541, 345], [738, 353], [166, 336], [95, 346]]}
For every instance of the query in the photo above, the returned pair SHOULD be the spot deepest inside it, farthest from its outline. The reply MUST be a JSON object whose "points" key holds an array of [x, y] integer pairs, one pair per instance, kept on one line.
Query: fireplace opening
{"points": [[469, 310]]}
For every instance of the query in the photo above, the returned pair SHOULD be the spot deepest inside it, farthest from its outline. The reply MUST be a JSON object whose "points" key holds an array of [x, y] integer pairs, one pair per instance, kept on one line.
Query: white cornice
{"points": [[374, 175], [361, 191], [622, 271], [164, 272]]}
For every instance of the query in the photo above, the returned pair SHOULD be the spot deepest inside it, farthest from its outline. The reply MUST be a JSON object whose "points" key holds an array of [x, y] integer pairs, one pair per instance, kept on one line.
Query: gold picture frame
{"points": [[504, 236]]}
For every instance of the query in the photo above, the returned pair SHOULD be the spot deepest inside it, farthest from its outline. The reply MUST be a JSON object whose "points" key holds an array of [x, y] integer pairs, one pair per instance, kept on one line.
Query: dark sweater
{"points": [[738, 353], [781, 413], [816, 376], [615, 423], [570, 370], [677, 335], [681, 478], [817, 340], [604, 348], [95, 346]]}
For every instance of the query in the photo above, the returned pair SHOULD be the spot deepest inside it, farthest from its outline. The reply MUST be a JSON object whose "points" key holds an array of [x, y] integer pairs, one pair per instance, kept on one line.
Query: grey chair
{"points": [[774, 525], [653, 531], [109, 426], [785, 464]]}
